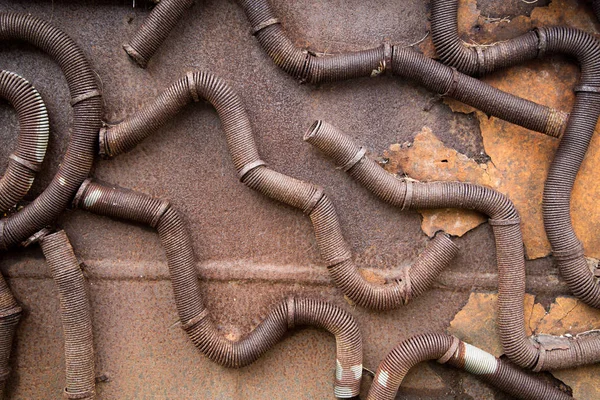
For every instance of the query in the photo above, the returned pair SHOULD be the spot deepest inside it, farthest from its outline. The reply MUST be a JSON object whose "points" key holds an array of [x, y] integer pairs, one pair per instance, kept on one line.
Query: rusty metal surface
{"points": [[253, 252]]}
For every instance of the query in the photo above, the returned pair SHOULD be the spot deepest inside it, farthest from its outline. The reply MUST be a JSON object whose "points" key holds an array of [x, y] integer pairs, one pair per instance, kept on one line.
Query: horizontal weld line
{"points": [[251, 272]]}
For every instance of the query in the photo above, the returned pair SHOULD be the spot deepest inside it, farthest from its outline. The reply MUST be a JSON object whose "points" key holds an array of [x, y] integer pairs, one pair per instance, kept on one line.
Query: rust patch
{"points": [[428, 159], [521, 157], [475, 323], [371, 276]]}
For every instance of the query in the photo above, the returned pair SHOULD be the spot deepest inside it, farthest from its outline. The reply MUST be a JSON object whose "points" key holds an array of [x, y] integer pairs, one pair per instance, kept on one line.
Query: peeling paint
{"points": [[475, 324], [522, 157], [428, 159]]}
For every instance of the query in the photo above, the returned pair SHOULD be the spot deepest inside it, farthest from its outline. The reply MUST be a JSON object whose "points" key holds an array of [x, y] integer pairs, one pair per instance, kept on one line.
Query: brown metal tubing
{"points": [[405, 62], [195, 319], [305, 196], [10, 313], [566, 247], [87, 113], [155, 29], [541, 352], [32, 142], [448, 349], [476, 60], [75, 314]]}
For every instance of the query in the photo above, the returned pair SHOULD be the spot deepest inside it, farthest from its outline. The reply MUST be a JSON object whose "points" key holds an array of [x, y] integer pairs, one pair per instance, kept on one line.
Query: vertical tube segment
{"points": [[75, 314]]}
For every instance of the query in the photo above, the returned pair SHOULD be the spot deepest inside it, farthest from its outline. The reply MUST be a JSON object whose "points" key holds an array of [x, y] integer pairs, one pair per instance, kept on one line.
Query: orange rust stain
{"points": [[372, 277], [428, 159], [521, 157], [475, 323]]}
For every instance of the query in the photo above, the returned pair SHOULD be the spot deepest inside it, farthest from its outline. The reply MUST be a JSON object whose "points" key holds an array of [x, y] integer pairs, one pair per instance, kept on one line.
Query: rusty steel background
{"points": [[252, 251]]}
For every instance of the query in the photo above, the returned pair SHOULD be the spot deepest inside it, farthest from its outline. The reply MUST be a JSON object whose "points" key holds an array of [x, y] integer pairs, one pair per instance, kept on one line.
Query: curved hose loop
{"points": [[155, 29], [10, 313], [400, 61], [34, 130], [541, 352], [195, 319], [75, 314], [87, 113], [448, 349], [305, 196], [566, 247]]}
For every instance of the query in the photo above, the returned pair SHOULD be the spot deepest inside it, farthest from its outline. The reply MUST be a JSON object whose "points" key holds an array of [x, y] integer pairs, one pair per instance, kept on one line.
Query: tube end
{"points": [[135, 56], [312, 131]]}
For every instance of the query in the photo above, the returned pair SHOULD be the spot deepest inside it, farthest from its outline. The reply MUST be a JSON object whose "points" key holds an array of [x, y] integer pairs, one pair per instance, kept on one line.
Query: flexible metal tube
{"points": [[476, 60], [87, 113], [32, 142], [10, 313], [566, 247], [541, 352], [155, 29], [75, 314], [404, 62], [305, 196], [195, 319], [448, 349]]}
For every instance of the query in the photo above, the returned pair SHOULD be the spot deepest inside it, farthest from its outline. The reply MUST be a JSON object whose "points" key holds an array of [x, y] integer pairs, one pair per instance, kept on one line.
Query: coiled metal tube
{"points": [[75, 314], [34, 130], [87, 113], [305, 196], [155, 29], [566, 248], [195, 319], [448, 349], [400, 61], [540, 352], [10, 313]]}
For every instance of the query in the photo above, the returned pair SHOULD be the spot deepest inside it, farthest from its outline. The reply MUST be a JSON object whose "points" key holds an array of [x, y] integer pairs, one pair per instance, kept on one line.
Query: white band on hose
{"points": [[479, 362]]}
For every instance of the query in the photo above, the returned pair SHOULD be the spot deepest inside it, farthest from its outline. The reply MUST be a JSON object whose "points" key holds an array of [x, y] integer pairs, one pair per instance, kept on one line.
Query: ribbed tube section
{"points": [[75, 314]]}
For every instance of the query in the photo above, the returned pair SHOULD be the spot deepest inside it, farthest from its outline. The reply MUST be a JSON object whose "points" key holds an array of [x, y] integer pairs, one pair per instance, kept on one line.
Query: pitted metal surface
{"points": [[253, 252]]}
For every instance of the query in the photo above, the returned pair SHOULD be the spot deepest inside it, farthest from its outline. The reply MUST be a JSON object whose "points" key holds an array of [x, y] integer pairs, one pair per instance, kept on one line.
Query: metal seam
{"points": [[85, 96], [569, 254], [78, 395], [312, 203], [407, 196], [192, 86], [81, 192], [387, 57], [194, 321], [407, 285], [586, 88], [453, 85], [542, 42], [352, 162], [249, 167], [34, 167], [291, 312], [480, 59], [450, 352], [504, 222], [263, 25], [165, 205]]}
